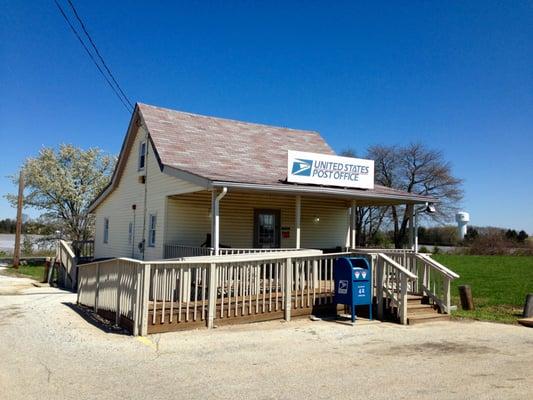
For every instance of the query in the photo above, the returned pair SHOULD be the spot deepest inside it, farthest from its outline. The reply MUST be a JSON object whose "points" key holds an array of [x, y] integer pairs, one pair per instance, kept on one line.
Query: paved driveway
{"points": [[47, 351]]}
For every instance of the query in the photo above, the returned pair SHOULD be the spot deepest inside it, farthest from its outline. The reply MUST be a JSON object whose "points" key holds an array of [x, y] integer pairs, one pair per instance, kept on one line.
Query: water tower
{"points": [[462, 218]]}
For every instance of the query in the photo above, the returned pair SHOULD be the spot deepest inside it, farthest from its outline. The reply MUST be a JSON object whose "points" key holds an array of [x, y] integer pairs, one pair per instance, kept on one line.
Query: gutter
{"points": [[414, 199]]}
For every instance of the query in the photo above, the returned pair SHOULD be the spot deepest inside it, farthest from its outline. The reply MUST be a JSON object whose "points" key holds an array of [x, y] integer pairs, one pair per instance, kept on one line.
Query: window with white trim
{"points": [[130, 232], [106, 230], [151, 230], [142, 155]]}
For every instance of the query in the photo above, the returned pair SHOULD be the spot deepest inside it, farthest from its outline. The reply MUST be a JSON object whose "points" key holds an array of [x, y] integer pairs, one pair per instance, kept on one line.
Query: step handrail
{"points": [[437, 266], [397, 266]]}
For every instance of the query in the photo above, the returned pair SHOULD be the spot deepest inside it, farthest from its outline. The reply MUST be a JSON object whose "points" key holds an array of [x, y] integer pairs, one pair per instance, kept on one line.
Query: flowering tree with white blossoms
{"points": [[62, 182]]}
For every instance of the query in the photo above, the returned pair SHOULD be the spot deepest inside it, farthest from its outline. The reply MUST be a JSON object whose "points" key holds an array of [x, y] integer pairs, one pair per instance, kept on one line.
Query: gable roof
{"points": [[223, 149], [213, 152]]}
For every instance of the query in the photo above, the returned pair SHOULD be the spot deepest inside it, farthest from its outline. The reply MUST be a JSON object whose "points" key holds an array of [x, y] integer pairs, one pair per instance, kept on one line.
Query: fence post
{"points": [[212, 295], [97, 289], [379, 286], [315, 274], [403, 302], [288, 289], [145, 295], [119, 292], [447, 300], [78, 291]]}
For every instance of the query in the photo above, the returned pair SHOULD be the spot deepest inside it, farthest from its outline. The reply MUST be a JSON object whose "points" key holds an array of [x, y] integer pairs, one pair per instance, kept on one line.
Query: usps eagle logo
{"points": [[302, 167]]}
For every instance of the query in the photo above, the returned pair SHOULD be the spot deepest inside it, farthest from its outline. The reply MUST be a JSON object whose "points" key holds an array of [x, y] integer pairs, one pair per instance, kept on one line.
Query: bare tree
{"points": [[419, 170]]}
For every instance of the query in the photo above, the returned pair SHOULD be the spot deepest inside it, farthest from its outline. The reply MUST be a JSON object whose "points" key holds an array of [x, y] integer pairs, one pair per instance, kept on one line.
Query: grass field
{"points": [[499, 284], [31, 271]]}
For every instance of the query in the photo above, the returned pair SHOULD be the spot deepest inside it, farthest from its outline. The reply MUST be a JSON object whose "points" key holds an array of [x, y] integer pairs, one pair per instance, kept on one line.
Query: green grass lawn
{"points": [[31, 271], [499, 284]]}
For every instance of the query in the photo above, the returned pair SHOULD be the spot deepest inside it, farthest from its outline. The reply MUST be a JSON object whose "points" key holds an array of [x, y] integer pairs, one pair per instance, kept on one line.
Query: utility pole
{"points": [[16, 253]]}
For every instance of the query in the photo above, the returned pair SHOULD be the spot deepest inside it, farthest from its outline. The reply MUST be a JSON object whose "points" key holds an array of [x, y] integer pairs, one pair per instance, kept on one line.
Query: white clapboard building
{"points": [[208, 221], [186, 183]]}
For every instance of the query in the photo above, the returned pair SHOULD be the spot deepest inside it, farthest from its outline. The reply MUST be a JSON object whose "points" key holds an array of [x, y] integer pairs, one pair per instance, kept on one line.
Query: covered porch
{"points": [[239, 220]]}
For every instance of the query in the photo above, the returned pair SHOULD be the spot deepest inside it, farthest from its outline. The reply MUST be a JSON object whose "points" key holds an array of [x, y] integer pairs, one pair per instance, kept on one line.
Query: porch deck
{"points": [[236, 310], [150, 297]]}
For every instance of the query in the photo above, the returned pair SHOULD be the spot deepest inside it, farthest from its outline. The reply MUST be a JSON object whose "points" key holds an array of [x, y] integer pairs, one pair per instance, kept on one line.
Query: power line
{"points": [[97, 52], [127, 106]]}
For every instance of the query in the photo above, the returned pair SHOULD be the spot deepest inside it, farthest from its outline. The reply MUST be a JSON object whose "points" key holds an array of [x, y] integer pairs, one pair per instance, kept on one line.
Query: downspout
{"points": [[216, 220]]}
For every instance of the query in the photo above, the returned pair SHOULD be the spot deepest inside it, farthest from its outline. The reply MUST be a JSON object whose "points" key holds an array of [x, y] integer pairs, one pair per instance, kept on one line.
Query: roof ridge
{"points": [[229, 119]]}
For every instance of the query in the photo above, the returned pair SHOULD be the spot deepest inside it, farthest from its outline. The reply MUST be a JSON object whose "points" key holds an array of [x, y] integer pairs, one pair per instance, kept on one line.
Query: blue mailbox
{"points": [[353, 283]]}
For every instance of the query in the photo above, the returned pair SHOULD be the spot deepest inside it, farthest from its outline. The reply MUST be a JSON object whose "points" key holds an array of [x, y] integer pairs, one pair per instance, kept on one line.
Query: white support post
{"points": [[215, 219], [416, 233], [97, 289], [403, 302], [119, 293], [145, 295], [298, 217], [379, 286], [412, 228], [288, 289], [353, 225], [214, 212], [348, 228], [212, 295], [447, 294]]}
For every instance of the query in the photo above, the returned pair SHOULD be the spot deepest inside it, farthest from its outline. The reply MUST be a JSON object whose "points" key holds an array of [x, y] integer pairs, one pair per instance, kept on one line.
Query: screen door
{"points": [[266, 229]]}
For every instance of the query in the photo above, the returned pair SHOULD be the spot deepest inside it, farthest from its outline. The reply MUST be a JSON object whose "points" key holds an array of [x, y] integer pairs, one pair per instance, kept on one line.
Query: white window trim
{"points": [[142, 156], [152, 228], [106, 230]]}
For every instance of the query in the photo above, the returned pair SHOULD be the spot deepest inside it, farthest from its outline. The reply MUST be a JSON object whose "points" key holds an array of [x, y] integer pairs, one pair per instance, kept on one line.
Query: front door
{"points": [[266, 229]]}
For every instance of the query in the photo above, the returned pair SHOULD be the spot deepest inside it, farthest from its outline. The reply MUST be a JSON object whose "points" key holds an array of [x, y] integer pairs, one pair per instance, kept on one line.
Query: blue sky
{"points": [[457, 76]]}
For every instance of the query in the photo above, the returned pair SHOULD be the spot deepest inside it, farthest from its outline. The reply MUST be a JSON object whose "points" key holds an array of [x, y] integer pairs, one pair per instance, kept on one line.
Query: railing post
{"points": [[97, 289], [315, 274], [143, 303], [379, 286], [447, 300], [119, 293], [78, 291], [403, 302], [288, 289], [212, 295]]}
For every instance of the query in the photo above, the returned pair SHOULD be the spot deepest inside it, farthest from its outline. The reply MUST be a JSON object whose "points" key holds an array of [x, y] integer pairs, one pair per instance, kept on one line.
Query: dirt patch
{"points": [[439, 348]]}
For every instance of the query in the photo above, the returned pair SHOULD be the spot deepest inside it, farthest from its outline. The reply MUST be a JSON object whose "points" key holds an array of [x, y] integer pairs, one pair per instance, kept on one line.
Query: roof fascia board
{"points": [[416, 199]]}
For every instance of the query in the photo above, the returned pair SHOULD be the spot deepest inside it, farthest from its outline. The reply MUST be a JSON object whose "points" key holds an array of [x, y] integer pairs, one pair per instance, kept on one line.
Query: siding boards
{"points": [[118, 206], [188, 219]]}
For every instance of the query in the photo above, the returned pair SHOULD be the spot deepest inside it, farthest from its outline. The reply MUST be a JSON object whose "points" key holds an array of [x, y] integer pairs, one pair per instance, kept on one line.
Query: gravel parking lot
{"points": [[48, 351]]}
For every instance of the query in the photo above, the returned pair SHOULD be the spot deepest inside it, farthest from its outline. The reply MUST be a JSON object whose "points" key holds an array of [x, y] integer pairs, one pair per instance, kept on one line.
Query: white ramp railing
{"points": [[67, 264]]}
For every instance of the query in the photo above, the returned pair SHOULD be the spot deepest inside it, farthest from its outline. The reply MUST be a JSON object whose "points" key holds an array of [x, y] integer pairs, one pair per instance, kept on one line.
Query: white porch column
{"points": [[298, 218], [412, 228], [215, 218], [353, 225], [213, 213]]}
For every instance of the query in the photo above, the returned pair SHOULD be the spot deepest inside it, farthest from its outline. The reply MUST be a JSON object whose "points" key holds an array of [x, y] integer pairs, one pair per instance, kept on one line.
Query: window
{"points": [[130, 233], [106, 230], [151, 230], [142, 155]]}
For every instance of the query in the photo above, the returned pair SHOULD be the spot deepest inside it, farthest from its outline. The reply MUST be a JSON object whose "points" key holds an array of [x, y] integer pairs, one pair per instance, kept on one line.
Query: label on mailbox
{"points": [[343, 287]]}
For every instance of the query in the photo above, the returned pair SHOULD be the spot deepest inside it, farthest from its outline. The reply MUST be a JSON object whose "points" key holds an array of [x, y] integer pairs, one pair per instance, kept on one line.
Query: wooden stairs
{"points": [[420, 311]]}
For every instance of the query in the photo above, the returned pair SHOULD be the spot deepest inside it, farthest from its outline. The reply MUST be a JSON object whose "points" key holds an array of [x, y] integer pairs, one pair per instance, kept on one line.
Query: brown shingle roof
{"points": [[235, 153], [226, 150]]}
